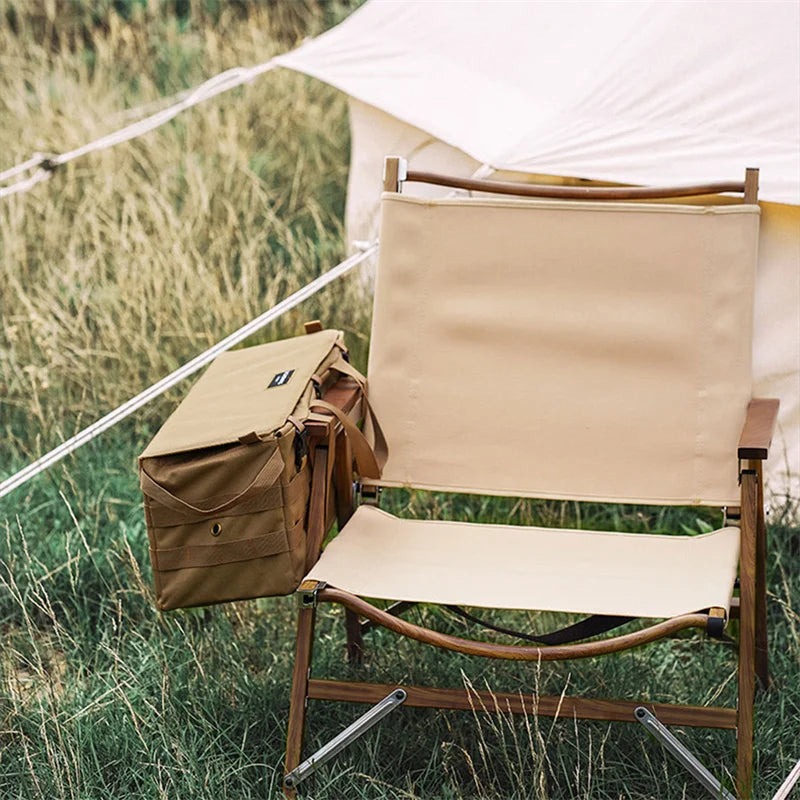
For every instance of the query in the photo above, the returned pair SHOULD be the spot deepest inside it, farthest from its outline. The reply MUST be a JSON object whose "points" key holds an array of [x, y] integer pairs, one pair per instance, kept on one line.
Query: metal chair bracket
{"points": [[684, 757], [717, 618], [358, 728], [369, 495], [309, 593]]}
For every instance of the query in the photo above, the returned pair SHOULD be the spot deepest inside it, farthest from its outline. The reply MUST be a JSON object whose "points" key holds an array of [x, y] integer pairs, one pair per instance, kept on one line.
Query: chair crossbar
{"points": [[511, 652], [576, 192], [522, 703]]}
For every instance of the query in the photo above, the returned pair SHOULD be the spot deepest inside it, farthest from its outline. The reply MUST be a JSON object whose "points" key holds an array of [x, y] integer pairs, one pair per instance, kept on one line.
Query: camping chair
{"points": [[566, 348]]}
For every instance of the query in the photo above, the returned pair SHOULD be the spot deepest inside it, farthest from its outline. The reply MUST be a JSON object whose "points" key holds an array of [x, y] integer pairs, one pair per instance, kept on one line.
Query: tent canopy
{"points": [[647, 92]]}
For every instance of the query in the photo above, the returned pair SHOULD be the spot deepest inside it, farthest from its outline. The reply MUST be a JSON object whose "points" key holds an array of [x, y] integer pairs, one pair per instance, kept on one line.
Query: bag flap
{"points": [[244, 391]]}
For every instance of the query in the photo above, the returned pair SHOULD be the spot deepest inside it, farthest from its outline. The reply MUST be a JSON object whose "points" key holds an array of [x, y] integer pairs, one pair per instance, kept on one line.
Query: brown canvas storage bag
{"points": [[226, 479]]}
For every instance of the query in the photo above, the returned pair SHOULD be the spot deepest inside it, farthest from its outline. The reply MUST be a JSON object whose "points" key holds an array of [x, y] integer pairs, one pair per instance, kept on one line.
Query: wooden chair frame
{"points": [[332, 499]]}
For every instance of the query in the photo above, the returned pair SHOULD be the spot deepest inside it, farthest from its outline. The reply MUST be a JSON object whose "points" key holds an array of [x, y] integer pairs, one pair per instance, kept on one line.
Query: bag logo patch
{"points": [[281, 378]]}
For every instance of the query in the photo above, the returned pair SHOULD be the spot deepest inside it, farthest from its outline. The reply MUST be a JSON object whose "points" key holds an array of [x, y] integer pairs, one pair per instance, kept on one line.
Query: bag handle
{"points": [[367, 460], [264, 478]]}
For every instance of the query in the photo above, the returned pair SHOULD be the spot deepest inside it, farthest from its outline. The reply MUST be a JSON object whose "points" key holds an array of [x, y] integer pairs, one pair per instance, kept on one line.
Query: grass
{"points": [[121, 268]]}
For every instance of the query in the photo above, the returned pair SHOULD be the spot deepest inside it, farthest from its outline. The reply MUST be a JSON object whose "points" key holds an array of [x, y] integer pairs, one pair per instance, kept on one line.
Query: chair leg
{"points": [[355, 643], [297, 708], [762, 653], [747, 639], [343, 491]]}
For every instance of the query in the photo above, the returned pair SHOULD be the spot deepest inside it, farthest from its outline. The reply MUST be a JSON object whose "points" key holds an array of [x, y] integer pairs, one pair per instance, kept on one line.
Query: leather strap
{"points": [[264, 478], [372, 428], [346, 368], [365, 456]]}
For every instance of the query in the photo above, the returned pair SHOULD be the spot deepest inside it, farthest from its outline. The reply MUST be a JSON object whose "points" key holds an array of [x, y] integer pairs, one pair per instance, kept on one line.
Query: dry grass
{"points": [[125, 265], [130, 261]]}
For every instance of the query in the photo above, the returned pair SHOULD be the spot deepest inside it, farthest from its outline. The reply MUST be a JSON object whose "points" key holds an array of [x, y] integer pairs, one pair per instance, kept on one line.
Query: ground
{"points": [[125, 265]]}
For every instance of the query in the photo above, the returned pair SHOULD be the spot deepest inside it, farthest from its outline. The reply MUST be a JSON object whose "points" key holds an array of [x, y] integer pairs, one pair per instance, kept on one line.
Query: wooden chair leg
{"points": [[355, 644], [343, 490], [297, 708], [762, 652], [747, 639]]}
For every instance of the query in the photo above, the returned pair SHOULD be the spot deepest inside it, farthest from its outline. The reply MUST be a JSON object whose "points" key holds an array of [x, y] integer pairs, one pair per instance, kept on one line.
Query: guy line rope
{"points": [[45, 164], [197, 363]]}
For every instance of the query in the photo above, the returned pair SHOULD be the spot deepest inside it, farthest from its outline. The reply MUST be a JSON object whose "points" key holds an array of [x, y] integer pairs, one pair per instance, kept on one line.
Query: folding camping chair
{"points": [[568, 348]]}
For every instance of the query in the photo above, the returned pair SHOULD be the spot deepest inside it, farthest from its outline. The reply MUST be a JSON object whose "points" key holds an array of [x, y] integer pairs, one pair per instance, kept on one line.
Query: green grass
{"points": [[120, 269]]}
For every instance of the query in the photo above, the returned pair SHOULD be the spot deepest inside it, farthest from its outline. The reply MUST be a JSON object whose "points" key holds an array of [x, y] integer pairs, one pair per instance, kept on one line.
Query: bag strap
{"points": [[583, 629], [369, 466], [264, 478], [372, 428], [346, 368]]}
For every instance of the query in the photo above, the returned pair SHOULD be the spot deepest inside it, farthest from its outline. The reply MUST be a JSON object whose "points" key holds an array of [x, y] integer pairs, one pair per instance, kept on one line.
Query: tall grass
{"points": [[131, 260], [120, 268]]}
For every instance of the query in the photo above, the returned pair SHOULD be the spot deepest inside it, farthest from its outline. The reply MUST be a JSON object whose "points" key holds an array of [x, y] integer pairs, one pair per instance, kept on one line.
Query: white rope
{"points": [[197, 363], [23, 167], [45, 163], [788, 784], [28, 183]]}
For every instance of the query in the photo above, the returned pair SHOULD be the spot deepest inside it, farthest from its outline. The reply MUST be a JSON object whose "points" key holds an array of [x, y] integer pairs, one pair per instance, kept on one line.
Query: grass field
{"points": [[122, 267]]}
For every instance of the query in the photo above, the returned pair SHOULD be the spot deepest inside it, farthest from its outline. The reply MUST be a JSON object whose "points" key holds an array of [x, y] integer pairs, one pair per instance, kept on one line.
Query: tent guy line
{"points": [[45, 164], [366, 249], [198, 362]]}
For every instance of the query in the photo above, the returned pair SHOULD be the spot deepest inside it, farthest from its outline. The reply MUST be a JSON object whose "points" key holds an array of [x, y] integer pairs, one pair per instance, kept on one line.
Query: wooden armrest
{"points": [[344, 394], [758, 428]]}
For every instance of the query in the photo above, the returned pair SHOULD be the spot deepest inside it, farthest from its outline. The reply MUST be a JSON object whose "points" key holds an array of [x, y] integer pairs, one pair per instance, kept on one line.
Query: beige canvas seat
{"points": [[507, 566], [585, 345]]}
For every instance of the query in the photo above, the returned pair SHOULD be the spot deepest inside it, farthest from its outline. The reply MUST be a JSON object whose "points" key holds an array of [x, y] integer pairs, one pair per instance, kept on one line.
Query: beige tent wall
{"points": [[776, 349]]}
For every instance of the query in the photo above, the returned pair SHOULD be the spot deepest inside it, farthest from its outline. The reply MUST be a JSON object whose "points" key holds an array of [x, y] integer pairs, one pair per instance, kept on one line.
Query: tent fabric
{"points": [[647, 92], [776, 335], [449, 85], [509, 566], [572, 350]]}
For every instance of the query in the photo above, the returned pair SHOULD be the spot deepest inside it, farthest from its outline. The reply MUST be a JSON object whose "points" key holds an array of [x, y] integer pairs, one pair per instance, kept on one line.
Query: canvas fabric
{"points": [[226, 479], [573, 88], [776, 330], [508, 566], [455, 86], [590, 351]]}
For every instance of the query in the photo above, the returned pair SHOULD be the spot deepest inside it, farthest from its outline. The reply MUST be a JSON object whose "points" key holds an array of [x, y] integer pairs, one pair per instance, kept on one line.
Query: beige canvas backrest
{"points": [[581, 350]]}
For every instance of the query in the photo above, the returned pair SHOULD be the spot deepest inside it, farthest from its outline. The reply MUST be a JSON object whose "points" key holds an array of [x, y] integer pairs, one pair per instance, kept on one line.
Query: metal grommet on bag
{"points": [[216, 529]]}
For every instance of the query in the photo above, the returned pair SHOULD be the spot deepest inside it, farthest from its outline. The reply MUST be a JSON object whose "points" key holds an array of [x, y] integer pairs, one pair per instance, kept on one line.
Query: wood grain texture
{"points": [[297, 707], [391, 172], [759, 425], [343, 491], [747, 623], [343, 479], [344, 394], [524, 703], [317, 507], [512, 652], [751, 185], [574, 192], [762, 649], [313, 326], [395, 609]]}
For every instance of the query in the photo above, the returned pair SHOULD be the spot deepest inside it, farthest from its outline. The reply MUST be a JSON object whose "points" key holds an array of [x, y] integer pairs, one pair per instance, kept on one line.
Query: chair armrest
{"points": [[759, 426], [345, 394]]}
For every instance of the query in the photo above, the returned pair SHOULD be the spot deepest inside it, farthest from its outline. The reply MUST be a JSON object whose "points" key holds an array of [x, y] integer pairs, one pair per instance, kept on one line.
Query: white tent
{"points": [[648, 92]]}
